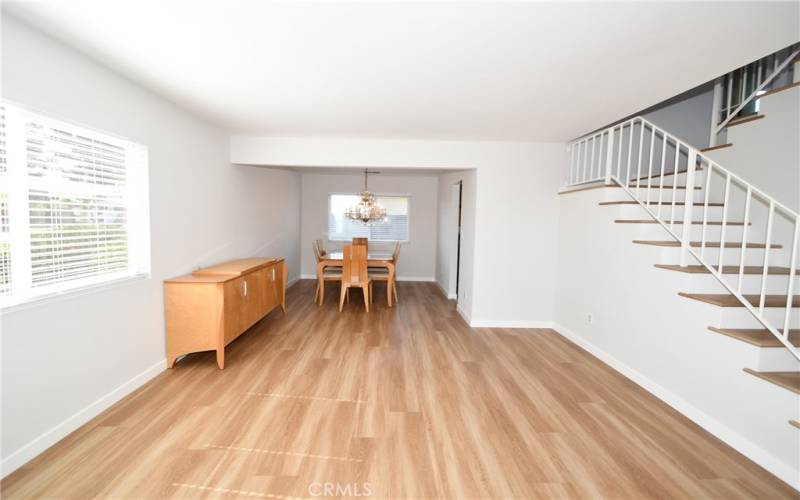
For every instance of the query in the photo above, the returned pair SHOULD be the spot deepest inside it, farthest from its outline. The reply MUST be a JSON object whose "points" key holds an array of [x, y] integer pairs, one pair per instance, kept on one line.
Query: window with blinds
{"points": [[395, 228], [73, 207]]}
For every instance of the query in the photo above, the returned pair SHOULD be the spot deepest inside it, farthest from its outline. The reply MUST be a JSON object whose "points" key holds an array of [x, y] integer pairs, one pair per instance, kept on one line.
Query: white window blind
{"points": [[5, 228], [395, 228], [77, 210]]}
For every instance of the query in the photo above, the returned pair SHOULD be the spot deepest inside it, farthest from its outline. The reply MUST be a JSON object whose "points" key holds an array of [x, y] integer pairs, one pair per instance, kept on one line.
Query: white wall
{"points": [[687, 116], [447, 242], [509, 253], [766, 152], [418, 255], [64, 361]]}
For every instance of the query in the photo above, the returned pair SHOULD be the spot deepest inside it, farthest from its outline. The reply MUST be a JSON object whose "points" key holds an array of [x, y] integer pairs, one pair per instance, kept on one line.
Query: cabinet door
{"points": [[235, 295], [256, 298], [273, 277]]}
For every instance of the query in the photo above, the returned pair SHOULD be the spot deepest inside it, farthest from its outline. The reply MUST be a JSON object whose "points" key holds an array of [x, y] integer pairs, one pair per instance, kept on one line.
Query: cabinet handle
{"points": [[244, 288], [273, 275]]}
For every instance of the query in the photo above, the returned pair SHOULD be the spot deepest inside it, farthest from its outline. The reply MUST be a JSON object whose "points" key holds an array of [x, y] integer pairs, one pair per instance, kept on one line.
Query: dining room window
{"points": [[73, 207], [394, 228]]}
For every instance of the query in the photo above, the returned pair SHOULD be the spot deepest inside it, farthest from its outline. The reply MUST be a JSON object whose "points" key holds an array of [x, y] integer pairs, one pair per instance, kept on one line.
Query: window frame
{"points": [[138, 192], [330, 194]]}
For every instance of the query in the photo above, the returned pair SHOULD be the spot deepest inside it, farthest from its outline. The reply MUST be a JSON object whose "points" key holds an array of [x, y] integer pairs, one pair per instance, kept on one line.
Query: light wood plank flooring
{"points": [[409, 400]]}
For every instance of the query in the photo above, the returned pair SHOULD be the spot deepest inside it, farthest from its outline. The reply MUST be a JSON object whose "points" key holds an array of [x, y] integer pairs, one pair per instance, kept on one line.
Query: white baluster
{"points": [[765, 272], [749, 197], [661, 176], [687, 206], [609, 155], [650, 164], [705, 210], [792, 270], [724, 220]]}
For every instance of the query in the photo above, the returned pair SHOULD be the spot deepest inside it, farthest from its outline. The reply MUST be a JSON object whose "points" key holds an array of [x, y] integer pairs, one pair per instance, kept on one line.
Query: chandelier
{"points": [[367, 211]]}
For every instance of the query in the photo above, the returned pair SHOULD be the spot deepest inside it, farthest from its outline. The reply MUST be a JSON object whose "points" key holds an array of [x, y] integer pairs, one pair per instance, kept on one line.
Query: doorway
{"points": [[457, 190]]}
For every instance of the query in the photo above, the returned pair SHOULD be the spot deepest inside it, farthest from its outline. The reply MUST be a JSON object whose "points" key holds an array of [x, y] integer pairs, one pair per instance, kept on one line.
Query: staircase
{"points": [[736, 245]]}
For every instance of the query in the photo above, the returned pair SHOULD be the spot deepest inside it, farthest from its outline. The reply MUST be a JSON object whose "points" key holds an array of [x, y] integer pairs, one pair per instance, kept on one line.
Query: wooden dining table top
{"points": [[370, 256]]}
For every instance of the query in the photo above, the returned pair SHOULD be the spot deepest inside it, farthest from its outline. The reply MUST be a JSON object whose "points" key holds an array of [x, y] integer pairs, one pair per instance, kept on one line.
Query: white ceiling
{"points": [[447, 70]]}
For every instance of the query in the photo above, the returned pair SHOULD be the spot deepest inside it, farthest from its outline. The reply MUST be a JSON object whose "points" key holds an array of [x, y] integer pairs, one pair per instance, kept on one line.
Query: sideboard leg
{"points": [[221, 358]]}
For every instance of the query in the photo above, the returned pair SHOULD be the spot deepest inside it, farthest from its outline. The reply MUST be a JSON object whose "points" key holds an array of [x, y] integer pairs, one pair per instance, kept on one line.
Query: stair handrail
{"points": [[723, 89], [582, 171]]}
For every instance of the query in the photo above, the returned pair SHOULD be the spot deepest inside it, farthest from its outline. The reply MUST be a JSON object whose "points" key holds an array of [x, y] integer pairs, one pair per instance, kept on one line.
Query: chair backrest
{"points": [[396, 253], [315, 247], [320, 248], [354, 264], [361, 241]]}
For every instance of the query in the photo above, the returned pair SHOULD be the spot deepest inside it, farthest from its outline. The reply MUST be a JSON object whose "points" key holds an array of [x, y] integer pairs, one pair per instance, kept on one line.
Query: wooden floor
{"points": [[406, 402]]}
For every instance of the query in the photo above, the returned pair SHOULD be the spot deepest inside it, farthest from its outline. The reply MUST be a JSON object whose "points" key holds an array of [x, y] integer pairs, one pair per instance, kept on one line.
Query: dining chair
{"points": [[329, 273], [382, 274], [354, 273], [362, 241], [320, 247]]}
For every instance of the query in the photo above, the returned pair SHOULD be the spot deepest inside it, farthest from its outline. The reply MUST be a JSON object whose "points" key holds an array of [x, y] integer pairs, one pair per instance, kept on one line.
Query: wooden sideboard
{"points": [[208, 309]]}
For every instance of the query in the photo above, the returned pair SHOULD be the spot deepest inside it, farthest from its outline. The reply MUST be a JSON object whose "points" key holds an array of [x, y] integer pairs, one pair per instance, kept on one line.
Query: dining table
{"points": [[374, 259]]}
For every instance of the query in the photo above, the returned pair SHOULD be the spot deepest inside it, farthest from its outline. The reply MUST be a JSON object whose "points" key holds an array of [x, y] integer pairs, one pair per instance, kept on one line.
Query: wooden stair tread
{"points": [[728, 300], [709, 244], [744, 119], [697, 269], [698, 222], [654, 176], [654, 186], [587, 187], [756, 337], [677, 204], [714, 148], [787, 380], [779, 89]]}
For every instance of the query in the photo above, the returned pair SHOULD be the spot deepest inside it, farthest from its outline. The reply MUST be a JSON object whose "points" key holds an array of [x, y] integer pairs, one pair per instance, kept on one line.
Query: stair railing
{"points": [[639, 156], [734, 91]]}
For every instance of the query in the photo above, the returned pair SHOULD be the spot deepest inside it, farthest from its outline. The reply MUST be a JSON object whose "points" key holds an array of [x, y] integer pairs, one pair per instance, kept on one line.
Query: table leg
{"points": [[389, 283], [321, 281]]}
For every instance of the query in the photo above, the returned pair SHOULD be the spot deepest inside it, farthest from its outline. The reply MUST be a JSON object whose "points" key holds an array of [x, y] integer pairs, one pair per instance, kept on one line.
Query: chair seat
{"points": [[332, 274], [377, 275]]}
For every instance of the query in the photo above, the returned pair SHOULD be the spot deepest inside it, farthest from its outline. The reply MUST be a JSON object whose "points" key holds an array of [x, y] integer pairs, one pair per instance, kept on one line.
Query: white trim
{"points": [[463, 313], [292, 281], [732, 438], [489, 323], [449, 296], [47, 439], [73, 293]]}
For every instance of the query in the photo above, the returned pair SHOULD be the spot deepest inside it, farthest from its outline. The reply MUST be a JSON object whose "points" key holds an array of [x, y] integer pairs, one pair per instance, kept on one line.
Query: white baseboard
{"points": [[735, 440], [450, 296], [491, 323], [463, 313], [29, 451]]}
